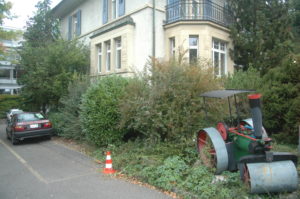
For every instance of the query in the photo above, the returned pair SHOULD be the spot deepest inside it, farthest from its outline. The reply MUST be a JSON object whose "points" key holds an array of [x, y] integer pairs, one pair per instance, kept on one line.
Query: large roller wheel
{"points": [[267, 177], [212, 149]]}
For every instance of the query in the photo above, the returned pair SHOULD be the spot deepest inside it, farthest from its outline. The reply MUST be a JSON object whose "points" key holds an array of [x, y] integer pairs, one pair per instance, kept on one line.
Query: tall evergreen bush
{"points": [[100, 111], [282, 99], [66, 119]]}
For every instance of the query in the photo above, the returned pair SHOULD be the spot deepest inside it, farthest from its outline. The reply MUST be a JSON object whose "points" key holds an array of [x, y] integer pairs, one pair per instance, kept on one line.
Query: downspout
{"points": [[153, 30]]}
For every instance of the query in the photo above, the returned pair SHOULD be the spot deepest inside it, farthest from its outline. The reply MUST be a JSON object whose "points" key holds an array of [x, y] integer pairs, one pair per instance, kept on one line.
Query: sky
{"points": [[23, 9]]}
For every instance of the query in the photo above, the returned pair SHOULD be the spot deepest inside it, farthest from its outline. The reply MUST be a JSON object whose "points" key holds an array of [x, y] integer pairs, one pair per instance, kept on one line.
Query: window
{"points": [[208, 9], [174, 9], [5, 74], [193, 48], [118, 54], [172, 47], [105, 12], [29, 117], [15, 74], [121, 7], [99, 58], [114, 9], [108, 55], [195, 9], [74, 25], [219, 57], [118, 8]]}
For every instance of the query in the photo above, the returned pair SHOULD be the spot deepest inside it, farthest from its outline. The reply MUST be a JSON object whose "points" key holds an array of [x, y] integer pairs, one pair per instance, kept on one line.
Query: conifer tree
{"points": [[261, 33]]}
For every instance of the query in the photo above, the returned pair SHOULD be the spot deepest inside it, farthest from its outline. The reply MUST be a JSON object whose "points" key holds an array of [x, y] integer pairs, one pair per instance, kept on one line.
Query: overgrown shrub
{"points": [[66, 120], [165, 104], [8, 102], [100, 111], [249, 79]]}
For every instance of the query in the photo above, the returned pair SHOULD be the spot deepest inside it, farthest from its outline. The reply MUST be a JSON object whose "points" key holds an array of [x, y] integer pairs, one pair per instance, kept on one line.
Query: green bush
{"points": [[100, 111], [282, 99], [66, 120], [9, 102], [165, 103], [249, 79]]}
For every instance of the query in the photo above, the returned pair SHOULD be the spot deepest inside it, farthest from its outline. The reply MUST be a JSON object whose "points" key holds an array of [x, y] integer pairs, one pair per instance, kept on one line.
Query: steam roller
{"points": [[246, 147]]}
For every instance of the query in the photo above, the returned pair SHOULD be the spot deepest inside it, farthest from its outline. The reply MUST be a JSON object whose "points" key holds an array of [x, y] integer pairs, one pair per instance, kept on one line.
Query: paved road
{"points": [[44, 169]]}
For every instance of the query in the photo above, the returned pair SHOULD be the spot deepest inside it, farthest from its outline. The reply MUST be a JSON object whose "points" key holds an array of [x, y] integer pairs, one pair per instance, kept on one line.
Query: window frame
{"points": [[99, 57], [118, 49], [108, 55], [218, 49], [172, 47], [74, 25], [195, 47]]}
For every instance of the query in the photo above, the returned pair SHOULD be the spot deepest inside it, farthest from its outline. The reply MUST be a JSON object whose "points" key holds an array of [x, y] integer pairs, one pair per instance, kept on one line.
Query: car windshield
{"points": [[30, 117]]}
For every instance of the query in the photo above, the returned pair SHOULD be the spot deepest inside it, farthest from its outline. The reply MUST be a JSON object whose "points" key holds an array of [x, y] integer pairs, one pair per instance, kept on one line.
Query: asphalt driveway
{"points": [[42, 169]]}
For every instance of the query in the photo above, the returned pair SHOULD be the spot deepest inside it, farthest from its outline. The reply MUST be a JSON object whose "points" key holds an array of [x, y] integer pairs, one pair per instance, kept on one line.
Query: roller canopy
{"points": [[224, 93]]}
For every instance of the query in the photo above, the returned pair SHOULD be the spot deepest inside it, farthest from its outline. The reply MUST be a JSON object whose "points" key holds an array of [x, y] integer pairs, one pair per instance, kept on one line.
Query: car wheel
{"points": [[14, 141]]}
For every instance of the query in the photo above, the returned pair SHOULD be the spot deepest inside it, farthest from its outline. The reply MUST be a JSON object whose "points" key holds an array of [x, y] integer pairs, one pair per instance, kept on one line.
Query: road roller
{"points": [[244, 146]]}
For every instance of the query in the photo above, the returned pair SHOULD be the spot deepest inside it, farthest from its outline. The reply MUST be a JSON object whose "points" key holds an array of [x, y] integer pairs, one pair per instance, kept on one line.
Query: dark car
{"points": [[28, 125]]}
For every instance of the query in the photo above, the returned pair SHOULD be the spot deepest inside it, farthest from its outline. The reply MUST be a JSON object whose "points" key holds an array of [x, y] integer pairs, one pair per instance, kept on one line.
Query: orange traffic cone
{"points": [[108, 164]]}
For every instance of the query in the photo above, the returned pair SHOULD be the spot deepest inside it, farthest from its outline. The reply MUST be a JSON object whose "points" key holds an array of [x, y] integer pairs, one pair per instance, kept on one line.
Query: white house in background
{"points": [[9, 65], [123, 34]]}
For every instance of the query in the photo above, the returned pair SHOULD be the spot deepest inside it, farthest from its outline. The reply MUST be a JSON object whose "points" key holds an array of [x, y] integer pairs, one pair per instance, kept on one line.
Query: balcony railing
{"points": [[8, 81], [201, 10]]}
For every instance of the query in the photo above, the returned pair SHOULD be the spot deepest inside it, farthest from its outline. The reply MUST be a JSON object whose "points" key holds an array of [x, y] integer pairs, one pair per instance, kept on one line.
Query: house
{"points": [[9, 65], [123, 34]]}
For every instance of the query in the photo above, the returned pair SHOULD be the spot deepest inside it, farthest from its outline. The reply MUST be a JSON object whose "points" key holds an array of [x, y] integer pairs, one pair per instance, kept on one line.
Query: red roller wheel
{"points": [[206, 149], [222, 128], [246, 176]]}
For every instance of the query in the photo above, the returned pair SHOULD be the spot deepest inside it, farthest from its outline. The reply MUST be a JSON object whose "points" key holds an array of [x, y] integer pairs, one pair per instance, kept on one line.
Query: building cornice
{"points": [[196, 22], [114, 25]]}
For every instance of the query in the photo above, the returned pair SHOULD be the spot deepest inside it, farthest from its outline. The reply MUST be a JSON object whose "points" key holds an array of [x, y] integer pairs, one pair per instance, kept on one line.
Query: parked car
{"points": [[11, 112], [28, 125]]}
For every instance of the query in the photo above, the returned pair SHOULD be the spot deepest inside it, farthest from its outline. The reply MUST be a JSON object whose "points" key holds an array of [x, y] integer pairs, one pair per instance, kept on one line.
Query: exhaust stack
{"points": [[254, 101]]}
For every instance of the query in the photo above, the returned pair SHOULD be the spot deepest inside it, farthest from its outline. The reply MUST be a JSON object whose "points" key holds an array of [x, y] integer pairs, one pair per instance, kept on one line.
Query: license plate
{"points": [[34, 126]]}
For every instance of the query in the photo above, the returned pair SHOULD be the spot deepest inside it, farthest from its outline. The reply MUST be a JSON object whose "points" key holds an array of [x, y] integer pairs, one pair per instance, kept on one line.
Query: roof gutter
{"points": [[153, 30]]}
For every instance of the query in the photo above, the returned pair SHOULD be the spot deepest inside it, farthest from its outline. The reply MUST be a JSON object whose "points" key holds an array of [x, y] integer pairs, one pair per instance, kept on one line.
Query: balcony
{"points": [[201, 10]]}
